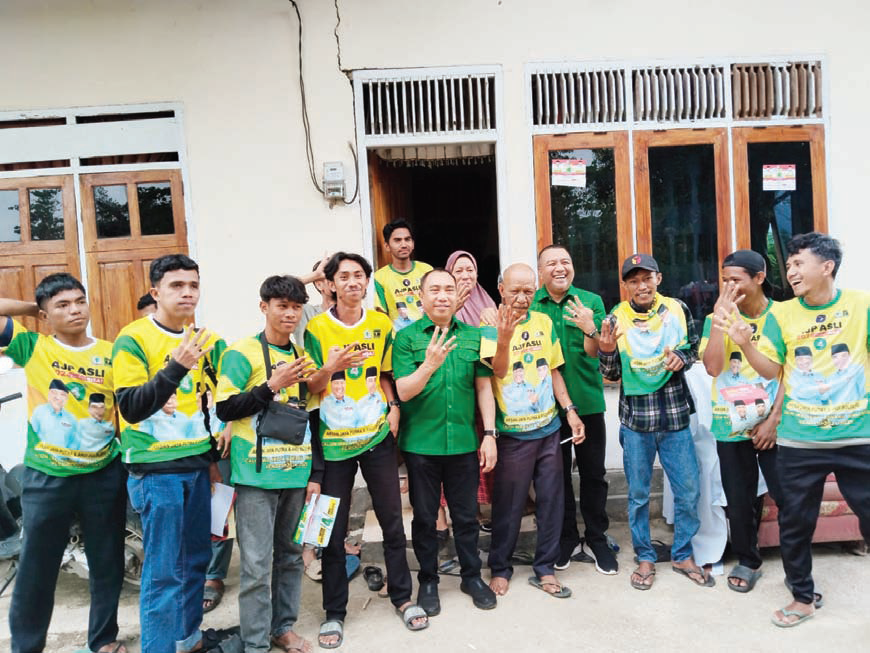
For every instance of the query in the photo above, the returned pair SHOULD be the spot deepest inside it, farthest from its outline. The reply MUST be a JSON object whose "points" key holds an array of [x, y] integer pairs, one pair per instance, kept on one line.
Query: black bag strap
{"points": [[303, 390]]}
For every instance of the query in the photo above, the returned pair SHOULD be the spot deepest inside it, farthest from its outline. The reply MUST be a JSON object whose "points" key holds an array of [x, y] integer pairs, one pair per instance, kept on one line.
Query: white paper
{"points": [[779, 177], [568, 172], [221, 501]]}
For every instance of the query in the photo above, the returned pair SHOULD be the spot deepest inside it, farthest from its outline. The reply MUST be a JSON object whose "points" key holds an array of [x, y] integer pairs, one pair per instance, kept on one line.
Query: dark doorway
{"points": [[451, 206]]}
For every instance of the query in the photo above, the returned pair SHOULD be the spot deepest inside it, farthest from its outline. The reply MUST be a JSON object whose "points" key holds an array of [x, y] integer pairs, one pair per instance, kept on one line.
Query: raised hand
{"points": [[489, 316], [342, 358], [733, 325], [507, 322], [610, 333], [463, 292], [286, 374], [728, 298], [438, 348], [192, 347], [578, 314]]}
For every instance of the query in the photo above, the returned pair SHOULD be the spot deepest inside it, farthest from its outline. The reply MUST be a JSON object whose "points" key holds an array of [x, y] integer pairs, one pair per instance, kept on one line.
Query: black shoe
{"points": [[427, 598], [605, 560], [482, 597]]}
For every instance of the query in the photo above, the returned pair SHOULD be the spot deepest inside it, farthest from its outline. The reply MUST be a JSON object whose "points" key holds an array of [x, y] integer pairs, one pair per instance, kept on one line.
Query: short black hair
{"points": [[54, 284], [399, 223], [145, 301], [822, 245], [331, 266], [426, 276], [170, 263], [283, 287], [553, 246]]}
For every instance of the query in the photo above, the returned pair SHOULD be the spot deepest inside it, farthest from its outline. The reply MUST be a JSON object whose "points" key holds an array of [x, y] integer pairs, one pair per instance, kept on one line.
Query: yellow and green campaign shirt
{"points": [[741, 398], [525, 404], [645, 337], [353, 408], [398, 293], [823, 350], [70, 400], [177, 430], [284, 465]]}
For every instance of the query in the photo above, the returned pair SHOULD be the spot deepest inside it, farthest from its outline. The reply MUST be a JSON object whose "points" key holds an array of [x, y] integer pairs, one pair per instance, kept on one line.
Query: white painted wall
{"points": [[232, 65]]}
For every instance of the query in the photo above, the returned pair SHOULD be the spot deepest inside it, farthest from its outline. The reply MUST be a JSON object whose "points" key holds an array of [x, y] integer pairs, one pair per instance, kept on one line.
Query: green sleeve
{"points": [[129, 345], [773, 335], [313, 348], [598, 312], [387, 360], [380, 297], [21, 348], [403, 355], [488, 341], [705, 335], [236, 368], [219, 348]]}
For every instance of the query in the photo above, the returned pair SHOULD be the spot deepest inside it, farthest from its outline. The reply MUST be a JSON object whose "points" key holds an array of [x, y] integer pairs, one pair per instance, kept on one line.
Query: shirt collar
{"points": [[426, 323], [543, 295]]}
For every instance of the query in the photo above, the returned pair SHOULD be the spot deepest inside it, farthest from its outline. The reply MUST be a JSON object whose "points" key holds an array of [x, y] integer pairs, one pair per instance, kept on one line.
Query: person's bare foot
{"points": [[644, 575], [209, 604], [549, 584], [499, 585], [290, 642], [696, 574], [804, 610]]}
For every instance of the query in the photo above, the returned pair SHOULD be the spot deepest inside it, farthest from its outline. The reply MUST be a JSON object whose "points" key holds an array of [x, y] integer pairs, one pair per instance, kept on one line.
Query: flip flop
{"points": [[643, 576], [563, 593], [818, 599], [314, 570], [791, 613], [708, 581], [329, 628], [746, 574], [213, 594], [374, 577], [412, 612]]}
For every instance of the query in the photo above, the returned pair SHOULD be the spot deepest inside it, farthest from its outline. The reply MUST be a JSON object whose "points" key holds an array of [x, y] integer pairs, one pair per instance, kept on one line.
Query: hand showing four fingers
{"points": [[286, 374], [580, 315], [192, 347], [438, 348]]}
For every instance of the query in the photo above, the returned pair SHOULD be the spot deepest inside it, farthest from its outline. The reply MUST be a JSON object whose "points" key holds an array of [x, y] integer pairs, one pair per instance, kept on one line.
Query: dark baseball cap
{"points": [[752, 262], [639, 262]]}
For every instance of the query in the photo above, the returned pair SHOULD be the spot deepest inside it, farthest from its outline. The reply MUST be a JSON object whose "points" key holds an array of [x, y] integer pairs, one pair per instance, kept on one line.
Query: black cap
{"points": [[639, 262], [803, 351], [371, 371], [739, 402], [57, 384], [518, 365], [736, 356], [759, 401], [540, 362], [838, 347], [338, 376], [752, 262], [97, 398]]}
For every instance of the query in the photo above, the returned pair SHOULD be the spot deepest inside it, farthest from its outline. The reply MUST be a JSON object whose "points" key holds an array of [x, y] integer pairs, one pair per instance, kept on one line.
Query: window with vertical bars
{"points": [[776, 90]]}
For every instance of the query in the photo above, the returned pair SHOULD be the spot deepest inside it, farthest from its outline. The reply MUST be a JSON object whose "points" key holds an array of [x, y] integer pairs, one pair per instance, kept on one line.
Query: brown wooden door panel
{"points": [[390, 197], [46, 248]]}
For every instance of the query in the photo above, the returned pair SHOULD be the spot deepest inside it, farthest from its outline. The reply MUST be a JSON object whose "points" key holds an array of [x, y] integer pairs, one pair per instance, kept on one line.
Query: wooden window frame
{"points": [[741, 137], [616, 140], [718, 138]]}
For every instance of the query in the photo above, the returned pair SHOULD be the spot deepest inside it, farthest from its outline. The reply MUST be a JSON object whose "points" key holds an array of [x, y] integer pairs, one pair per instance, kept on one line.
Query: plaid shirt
{"points": [[666, 409]]}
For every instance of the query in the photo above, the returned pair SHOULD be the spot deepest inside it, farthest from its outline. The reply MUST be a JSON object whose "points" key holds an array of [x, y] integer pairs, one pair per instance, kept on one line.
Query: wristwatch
{"points": [[396, 403], [593, 334], [571, 407], [491, 432]]}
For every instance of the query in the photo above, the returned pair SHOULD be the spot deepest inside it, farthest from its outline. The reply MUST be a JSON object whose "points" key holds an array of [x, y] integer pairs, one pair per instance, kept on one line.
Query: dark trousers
{"points": [[381, 472], [459, 474], [738, 464], [49, 504], [802, 475], [593, 487], [521, 462]]}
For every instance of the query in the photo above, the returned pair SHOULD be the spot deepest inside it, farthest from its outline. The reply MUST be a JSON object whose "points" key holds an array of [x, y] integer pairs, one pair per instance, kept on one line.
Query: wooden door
{"points": [[588, 213], [389, 189], [128, 220], [683, 208], [38, 235], [779, 191]]}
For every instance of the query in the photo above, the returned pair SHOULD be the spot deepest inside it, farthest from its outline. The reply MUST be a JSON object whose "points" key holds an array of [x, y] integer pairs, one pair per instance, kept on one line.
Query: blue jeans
{"points": [[176, 515], [677, 456]]}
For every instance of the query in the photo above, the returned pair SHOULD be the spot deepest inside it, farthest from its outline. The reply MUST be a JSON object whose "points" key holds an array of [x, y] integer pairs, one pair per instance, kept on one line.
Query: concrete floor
{"points": [[605, 613]]}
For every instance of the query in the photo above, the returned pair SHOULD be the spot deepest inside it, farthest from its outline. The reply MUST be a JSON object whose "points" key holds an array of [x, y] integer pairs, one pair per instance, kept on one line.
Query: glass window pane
{"points": [[155, 208], [777, 214], [112, 212], [584, 218], [46, 214], [10, 218], [683, 205]]}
